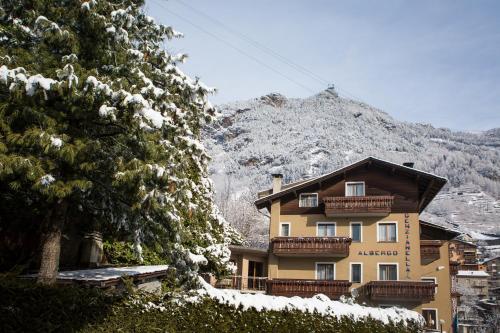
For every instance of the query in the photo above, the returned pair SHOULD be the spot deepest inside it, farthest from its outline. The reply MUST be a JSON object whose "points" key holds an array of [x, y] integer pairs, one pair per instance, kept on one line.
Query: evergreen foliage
{"points": [[122, 254], [97, 121]]}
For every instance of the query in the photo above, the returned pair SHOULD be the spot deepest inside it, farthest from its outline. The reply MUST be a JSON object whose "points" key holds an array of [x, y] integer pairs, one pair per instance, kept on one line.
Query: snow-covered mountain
{"points": [[311, 136]]}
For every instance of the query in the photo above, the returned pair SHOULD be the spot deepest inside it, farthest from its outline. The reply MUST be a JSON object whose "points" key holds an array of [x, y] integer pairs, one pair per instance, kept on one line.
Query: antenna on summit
{"points": [[331, 90]]}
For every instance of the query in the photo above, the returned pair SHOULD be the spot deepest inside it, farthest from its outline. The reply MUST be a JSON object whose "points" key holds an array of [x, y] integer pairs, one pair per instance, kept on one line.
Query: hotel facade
{"points": [[357, 231]]}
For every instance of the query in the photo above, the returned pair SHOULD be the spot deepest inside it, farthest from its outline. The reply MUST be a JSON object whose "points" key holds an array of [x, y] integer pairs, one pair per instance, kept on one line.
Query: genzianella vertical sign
{"points": [[407, 244]]}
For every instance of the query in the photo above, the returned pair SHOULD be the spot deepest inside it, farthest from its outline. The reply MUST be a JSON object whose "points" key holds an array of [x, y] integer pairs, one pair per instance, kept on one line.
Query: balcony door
{"points": [[325, 271], [255, 274], [354, 189]]}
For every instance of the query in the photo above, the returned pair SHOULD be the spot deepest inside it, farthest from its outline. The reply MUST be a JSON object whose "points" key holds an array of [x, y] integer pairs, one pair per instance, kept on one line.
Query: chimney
{"points": [[277, 178], [408, 164]]}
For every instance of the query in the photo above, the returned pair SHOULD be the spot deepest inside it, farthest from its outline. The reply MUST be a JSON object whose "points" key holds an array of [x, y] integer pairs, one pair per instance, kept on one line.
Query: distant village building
{"points": [[492, 266], [473, 284], [464, 254], [473, 288]]}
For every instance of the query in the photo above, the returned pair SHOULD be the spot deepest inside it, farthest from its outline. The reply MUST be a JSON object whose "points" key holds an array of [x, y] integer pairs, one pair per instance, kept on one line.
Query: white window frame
{"points": [[437, 317], [350, 271], [320, 222], [388, 263], [355, 182], [387, 222], [317, 200], [431, 278], [361, 233], [289, 229], [328, 263]]}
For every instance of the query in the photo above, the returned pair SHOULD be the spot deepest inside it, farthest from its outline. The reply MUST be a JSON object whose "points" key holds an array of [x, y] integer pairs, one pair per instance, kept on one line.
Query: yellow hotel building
{"points": [[357, 231]]}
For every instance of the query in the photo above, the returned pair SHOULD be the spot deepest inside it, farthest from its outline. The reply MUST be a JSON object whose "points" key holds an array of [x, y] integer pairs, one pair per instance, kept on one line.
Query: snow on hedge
{"points": [[320, 304]]}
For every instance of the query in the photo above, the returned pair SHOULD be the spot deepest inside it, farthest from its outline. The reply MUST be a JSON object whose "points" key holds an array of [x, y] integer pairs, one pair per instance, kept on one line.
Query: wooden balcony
{"points": [[380, 205], [238, 282], [406, 291], [311, 246], [308, 288], [470, 257], [429, 251]]}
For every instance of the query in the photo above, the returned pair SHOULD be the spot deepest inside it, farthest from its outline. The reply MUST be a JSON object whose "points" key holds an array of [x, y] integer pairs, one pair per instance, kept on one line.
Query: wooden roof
{"points": [[434, 231], [428, 184], [464, 242]]}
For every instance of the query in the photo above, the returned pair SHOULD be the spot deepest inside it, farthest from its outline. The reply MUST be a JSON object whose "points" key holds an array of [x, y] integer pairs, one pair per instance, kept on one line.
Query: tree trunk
{"points": [[51, 247]]}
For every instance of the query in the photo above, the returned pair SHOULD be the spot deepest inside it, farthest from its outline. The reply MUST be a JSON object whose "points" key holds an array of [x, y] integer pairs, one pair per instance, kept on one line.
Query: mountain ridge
{"points": [[313, 135]]}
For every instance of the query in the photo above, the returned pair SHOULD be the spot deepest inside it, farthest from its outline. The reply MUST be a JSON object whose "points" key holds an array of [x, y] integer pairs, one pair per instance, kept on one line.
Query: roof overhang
{"points": [[465, 242], [238, 249], [429, 184], [437, 231]]}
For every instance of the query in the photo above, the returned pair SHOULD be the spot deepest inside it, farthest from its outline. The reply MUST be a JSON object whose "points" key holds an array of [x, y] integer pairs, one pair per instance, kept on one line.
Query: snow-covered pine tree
{"points": [[97, 121]]}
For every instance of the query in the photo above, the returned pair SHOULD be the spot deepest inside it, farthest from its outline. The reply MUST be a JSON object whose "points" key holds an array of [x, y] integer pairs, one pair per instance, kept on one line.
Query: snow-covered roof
{"points": [[101, 276], [490, 259], [480, 236], [435, 183], [473, 273]]}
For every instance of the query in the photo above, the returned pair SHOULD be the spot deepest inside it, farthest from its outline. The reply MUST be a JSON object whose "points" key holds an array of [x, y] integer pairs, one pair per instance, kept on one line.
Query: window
{"points": [[356, 232], [430, 316], [387, 232], [285, 229], [308, 200], [325, 229], [356, 272], [387, 272], [354, 189], [431, 279], [325, 271]]}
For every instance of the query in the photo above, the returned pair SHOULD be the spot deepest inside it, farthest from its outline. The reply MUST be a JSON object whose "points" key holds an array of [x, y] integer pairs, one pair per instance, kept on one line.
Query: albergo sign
{"points": [[378, 253]]}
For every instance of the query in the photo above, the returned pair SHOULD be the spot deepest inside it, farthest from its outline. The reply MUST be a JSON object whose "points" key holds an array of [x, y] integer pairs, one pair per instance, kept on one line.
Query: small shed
{"points": [[146, 278]]}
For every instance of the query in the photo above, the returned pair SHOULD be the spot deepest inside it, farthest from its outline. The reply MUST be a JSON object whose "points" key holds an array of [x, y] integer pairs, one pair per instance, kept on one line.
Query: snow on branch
{"points": [[46, 180], [87, 5], [18, 77]]}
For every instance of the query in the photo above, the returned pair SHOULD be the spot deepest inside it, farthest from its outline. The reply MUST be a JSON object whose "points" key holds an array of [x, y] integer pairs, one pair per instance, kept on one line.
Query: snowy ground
{"points": [[319, 303]]}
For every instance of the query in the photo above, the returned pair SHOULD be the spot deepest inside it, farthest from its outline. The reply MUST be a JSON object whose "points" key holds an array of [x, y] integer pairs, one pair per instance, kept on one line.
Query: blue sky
{"points": [[433, 62]]}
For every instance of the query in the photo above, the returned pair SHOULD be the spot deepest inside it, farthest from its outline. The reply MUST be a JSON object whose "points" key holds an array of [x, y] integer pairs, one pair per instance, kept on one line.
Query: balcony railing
{"points": [[380, 205], [410, 291], [469, 267], [429, 251], [308, 288], [242, 283], [454, 267], [311, 246]]}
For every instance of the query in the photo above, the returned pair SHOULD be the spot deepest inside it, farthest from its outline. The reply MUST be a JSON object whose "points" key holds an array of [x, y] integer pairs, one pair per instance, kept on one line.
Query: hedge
{"points": [[28, 307]]}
